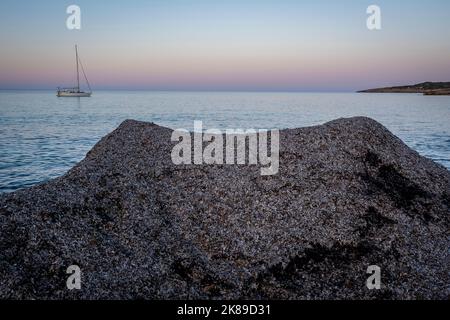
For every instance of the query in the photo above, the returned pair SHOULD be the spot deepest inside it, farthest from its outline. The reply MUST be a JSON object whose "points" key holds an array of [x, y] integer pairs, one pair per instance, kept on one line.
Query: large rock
{"points": [[348, 195]]}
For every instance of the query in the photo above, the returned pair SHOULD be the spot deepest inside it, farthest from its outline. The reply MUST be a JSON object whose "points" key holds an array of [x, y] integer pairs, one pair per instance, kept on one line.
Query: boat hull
{"points": [[73, 94]]}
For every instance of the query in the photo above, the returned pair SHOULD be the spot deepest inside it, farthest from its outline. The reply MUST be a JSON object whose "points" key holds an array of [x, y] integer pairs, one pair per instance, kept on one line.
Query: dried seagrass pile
{"points": [[348, 195]]}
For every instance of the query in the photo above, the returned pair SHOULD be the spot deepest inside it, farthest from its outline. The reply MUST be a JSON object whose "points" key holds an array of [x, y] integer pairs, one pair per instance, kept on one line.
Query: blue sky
{"points": [[225, 45]]}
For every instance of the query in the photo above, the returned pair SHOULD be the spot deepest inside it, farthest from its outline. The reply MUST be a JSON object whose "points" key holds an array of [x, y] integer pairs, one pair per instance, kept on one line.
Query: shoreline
{"points": [[426, 88]]}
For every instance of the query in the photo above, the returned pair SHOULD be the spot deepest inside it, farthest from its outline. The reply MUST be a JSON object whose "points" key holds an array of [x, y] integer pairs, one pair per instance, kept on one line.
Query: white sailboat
{"points": [[76, 92]]}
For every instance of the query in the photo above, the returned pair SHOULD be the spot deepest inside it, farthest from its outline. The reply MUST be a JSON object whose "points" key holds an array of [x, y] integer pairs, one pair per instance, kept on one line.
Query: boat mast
{"points": [[78, 73]]}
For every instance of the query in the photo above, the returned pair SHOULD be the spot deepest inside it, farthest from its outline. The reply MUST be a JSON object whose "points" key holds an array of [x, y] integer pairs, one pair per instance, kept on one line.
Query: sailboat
{"points": [[76, 92]]}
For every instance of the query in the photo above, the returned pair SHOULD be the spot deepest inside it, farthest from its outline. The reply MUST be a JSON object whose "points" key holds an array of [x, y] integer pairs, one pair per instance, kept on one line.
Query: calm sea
{"points": [[42, 136]]}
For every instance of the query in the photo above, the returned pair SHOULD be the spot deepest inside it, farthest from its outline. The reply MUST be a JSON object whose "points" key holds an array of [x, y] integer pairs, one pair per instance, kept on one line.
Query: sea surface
{"points": [[42, 136]]}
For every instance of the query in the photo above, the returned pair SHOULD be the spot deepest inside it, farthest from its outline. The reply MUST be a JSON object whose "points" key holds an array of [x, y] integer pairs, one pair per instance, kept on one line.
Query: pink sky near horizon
{"points": [[337, 70]]}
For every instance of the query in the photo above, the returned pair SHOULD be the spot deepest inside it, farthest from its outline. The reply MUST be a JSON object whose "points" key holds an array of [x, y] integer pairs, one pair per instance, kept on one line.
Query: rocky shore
{"points": [[348, 195], [426, 88]]}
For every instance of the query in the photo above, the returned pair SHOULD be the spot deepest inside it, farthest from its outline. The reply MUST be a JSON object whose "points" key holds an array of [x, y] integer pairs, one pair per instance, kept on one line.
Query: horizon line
{"points": [[191, 90]]}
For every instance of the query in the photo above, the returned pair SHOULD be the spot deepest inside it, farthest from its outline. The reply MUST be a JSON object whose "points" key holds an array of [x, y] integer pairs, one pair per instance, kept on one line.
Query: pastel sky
{"points": [[260, 45]]}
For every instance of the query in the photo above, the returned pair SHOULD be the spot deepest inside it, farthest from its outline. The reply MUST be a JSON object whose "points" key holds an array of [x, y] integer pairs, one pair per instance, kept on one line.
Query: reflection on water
{"points": [[42, 136]]}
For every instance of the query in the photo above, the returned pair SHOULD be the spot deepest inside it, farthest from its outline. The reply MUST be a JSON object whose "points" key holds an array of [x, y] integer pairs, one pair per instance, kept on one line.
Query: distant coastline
{"points": [[427, 88]]}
